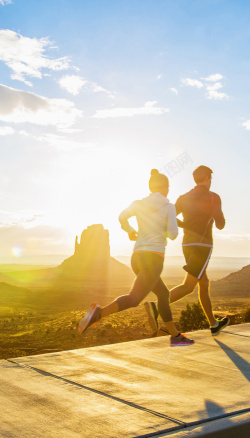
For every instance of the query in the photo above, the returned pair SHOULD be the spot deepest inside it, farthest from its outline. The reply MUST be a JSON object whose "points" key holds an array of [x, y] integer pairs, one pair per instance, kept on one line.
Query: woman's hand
{"points": [[133, 235]]}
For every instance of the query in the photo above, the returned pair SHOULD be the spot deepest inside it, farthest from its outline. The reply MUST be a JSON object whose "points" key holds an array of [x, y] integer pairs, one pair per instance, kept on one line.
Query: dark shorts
{"points": [[147, 261], [197, 258]]}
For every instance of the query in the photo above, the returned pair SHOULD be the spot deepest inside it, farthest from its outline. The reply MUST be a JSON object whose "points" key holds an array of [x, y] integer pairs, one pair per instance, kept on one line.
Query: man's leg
{"points": [[204, 298], [186, 288], [176, 294], [215, 325]]}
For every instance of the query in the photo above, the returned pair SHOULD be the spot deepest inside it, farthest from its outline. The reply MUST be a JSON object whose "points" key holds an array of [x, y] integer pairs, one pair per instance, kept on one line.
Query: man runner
{"points": [[200, 209]]}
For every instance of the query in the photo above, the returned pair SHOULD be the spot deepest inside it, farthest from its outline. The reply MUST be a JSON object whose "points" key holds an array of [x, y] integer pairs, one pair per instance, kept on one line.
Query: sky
{"points": [[96, 93]]}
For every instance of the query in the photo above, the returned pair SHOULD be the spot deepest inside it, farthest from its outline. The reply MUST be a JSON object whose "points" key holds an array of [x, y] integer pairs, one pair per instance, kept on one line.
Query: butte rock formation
{"points": [[91, 260], [235, 285]]}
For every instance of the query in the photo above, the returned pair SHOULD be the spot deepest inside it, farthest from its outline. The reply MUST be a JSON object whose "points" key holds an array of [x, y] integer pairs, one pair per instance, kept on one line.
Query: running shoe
{"points": [[92, 317], [180, 341], [153, 313], [221, 324]]}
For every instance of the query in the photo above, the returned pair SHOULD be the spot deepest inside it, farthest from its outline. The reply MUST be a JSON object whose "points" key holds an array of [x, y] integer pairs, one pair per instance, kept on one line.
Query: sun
{"points": [[94, 187], [17, 251]]}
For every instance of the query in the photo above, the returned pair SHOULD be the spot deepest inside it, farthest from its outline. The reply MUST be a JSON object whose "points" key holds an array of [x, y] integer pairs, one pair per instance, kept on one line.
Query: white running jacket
{"points": [[156, 218]]}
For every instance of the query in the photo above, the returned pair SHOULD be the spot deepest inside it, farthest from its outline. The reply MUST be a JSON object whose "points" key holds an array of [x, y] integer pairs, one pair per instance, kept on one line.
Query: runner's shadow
{"points": [[214, 410], [238, 361]]}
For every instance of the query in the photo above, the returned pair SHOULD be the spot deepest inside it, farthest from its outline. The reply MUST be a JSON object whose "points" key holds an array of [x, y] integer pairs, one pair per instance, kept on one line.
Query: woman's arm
{"points": [[125, 215], [172, 226]]}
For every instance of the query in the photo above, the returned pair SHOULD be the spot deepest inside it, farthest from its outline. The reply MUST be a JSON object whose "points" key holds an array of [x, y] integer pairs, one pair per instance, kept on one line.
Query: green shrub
{"points": [[247, 315], [193, 318]]}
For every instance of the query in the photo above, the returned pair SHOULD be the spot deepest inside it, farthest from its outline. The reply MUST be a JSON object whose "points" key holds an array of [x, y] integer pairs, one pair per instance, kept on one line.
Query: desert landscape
{"points": [[40, 307]]}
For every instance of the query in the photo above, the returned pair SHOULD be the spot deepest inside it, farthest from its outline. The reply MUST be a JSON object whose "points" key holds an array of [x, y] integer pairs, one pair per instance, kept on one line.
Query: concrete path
{"points": [[134, 389]]}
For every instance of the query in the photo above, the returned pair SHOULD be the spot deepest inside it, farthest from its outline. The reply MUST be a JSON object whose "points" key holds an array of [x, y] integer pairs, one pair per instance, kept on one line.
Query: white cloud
{"points": [[24, 107], [159, 76], [6, 130], [97, 88], [192, 82], [214, 78], [246, 124], [72, 83], [230, 236], [5, 2], [214, 87], [63, 143], [174, 90], [40, 239], [93, 87], [22, 132], [26, 56], [70, 130], [216, 95], [20, 218], [148, 109], [213, 94]]}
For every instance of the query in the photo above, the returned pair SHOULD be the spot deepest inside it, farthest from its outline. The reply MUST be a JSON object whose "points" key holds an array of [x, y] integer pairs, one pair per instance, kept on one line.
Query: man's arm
{"points": [[218, 215]]}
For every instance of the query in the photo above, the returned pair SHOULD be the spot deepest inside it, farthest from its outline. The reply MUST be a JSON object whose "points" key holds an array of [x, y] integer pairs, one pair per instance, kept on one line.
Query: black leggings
{"points": [[148, 267]]}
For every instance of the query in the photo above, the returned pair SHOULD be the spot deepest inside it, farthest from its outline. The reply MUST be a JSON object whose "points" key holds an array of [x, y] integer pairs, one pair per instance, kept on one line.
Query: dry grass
{"points": [[45, 318]]}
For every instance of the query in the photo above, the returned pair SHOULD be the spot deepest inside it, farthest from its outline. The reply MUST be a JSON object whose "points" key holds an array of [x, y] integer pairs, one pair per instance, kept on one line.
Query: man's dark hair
{"points": [[200, 173]]}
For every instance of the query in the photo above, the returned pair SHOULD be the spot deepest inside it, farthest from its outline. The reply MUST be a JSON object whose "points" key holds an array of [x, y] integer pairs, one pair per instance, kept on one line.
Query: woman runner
{"points": [[156, 219]]}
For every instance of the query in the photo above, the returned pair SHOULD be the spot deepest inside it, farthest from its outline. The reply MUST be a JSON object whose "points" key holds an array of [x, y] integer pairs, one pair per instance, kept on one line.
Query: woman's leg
{"points": [[162, 293], [139, 291], [109, 309], [148, 267]]}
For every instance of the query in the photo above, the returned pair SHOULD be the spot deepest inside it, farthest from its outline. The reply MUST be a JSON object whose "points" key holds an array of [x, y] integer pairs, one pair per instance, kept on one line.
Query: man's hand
{"points": [[180, 223], [133, 235]]}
